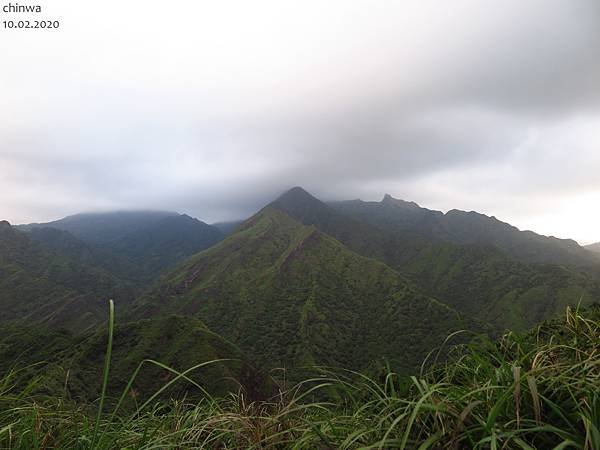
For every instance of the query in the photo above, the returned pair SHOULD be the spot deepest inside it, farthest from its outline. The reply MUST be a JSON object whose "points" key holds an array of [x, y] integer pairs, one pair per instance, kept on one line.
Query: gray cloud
{"points": [[492, 106]]}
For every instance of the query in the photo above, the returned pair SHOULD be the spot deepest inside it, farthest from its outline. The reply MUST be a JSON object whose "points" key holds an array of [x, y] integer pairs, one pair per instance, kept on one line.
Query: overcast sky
{"points": [[214, 107]]}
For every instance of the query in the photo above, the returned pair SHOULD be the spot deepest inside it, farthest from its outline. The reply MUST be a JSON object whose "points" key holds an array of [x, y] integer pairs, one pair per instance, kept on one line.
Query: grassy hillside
{"points": [[70, 365], [479, 280], [467, 228], [38, 285], [289, 295], [65, 244], [355, 312], [484, 283], [133, 245], [161, 245], [536, 391]]}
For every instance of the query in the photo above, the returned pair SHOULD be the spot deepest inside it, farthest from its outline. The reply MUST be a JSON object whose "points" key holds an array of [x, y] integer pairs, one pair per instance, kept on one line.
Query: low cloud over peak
{"points": [[494, 108]]}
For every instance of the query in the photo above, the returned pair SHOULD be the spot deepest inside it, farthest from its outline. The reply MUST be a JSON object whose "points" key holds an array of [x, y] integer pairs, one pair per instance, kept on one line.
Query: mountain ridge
{"points": [[39, 285], [103, 227], [478, 280], [140, 245], [462, 227], [288, 294]]}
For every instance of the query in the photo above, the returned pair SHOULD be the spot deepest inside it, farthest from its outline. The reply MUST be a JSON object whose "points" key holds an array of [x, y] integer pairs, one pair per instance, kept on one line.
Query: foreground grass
{"points": [[539, 391]]}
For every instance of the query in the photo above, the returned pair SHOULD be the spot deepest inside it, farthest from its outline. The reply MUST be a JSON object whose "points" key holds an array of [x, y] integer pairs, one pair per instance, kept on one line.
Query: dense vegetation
{"points": [[104, 228], [310, 325], [537, 391], [461, 227], [136, 246], [71, 364], [38, 285], [290, 295], [476, 277], [154, 249], [508, 294]]}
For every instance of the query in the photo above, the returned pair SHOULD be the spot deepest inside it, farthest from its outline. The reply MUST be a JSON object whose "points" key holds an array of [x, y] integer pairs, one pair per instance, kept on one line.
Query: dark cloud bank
{"points": [[491, 108]]}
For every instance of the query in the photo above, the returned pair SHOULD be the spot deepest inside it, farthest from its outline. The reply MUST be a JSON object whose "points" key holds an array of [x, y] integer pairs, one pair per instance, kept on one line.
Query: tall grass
{"points": [[537, 391], [107, 359]]}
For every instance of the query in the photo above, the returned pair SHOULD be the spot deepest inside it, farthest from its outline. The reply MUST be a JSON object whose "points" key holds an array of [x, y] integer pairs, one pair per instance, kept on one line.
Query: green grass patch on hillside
{"points": [[534, 391]]}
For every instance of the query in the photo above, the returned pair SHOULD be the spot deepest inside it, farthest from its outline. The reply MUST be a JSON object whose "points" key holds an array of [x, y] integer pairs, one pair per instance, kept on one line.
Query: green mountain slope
{"points": [[42, 286], [481, 281], [136, 245], [164, 243], [460, 227], [63, 243], [72, 364], [360, 236], [290, 295], [357, 235], [484, 283], [104, 228], [533, 391]]}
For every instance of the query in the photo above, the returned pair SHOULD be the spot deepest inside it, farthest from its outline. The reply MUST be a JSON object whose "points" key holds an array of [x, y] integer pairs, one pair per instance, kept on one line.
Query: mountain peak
{"points": [[297, 192], [389, 200], [295, 198], [308, 210]]}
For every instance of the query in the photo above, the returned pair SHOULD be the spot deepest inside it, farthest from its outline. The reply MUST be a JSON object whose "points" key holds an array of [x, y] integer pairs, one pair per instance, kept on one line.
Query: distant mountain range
{"points": [[142, 243], [300, 283], [480, 280], [465, 228], [106, 227]]}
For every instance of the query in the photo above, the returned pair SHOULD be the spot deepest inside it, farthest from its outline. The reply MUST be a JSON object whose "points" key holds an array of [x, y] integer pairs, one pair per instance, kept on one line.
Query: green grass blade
{"points": [[111, 326]]}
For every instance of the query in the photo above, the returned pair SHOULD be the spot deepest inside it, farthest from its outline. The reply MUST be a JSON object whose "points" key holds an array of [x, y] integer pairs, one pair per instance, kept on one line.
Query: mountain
{"points": [[485, 283], [594, 247], [460, 227], [165, 243], [104, 228], [358, 235], [39, 285], [64, 243], [465, 228], [478, 280], [136, 245], [290, 295], [73, 364], [300, 265]]}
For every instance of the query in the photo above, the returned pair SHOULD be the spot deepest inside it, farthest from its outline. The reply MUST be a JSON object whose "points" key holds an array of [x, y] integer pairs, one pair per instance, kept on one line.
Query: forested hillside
{"points": [[533, 391], [467, 228], [479, 280], [70, 365], [290, 295], [136, 245], [38, 285], [218, 324]]}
